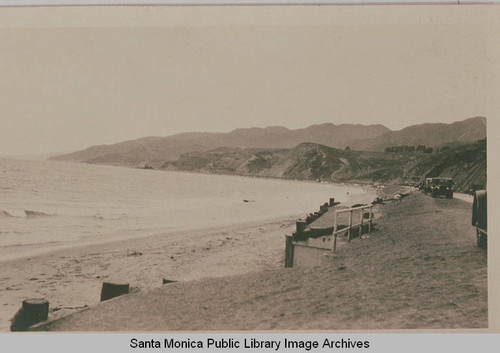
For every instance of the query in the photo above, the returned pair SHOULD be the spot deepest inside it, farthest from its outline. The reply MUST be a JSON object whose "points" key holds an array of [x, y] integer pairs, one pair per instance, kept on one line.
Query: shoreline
{"points": [[71, 277], [41, 251], [18, 250], [232, 212]]}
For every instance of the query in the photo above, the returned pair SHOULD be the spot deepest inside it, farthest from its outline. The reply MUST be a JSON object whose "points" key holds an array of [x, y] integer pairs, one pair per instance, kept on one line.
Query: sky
{"points": [[66, 85]]}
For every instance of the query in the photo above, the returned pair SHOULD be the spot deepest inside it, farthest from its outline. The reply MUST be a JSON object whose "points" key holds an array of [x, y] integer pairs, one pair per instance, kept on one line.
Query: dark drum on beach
{"points": [[111, 290], [33, 311]]}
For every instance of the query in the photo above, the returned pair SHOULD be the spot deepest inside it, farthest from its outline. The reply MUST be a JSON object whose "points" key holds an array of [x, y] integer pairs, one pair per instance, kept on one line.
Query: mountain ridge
{"points": [[467, 130], [154, 150]]}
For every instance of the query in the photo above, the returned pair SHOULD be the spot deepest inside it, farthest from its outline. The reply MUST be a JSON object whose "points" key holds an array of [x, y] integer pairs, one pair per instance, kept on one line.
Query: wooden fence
{"points": [[311, 245], [351, 226]]}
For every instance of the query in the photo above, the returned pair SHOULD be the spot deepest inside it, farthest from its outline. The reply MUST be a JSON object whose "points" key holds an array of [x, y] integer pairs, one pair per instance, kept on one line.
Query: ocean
{"points": [[48, 205]]}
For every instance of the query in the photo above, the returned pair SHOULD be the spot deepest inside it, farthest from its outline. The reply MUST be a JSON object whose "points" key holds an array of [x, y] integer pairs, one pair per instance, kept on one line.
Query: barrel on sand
{"points": [[33, 311]]}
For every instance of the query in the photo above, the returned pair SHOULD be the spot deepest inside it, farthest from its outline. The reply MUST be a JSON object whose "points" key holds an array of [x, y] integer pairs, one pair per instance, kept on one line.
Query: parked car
{"points": [[480, 218], [439, 186]]}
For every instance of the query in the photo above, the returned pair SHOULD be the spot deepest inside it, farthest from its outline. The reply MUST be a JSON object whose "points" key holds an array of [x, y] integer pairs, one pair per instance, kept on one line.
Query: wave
{"points": [[8, 232], [36, 214], [5, 214]]}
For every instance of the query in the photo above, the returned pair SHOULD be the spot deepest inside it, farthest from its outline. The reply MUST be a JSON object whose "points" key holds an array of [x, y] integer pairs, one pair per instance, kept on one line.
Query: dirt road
{"points": [[420, 269]]}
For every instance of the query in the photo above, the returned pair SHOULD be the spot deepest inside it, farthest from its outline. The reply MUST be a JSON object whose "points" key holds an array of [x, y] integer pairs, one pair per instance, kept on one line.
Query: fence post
{"points": [[349, 229], [370, 220], [300, 226], [335, 233], [360, 222], [289, 251]]}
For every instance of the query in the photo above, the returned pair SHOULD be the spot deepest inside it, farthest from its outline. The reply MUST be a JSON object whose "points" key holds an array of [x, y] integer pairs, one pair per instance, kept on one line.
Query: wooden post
{"points": [[335, 233], [33, 311], [370, 220], [349, 229], [288, 251], [111, 290], [360, 222], [300, 226], [332, 202]]}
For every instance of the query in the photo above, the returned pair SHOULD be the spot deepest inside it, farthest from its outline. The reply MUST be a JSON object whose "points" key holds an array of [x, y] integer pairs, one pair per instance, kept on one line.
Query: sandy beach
{"points": [[419, 269], [71, 278]]}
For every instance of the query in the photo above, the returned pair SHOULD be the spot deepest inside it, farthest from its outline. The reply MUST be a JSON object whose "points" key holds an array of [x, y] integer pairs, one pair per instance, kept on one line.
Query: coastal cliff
{"points": [[465, 163]]}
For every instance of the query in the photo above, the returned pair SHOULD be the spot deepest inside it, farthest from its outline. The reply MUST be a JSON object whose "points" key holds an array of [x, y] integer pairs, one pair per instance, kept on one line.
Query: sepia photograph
{"points": [[246, 168]]}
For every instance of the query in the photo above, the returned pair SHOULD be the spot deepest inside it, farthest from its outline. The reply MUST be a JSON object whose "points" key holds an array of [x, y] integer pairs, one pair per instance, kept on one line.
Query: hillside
{"points": [[326, 152], [465, 163], [433, 135], [307, 161], [156, 150]]}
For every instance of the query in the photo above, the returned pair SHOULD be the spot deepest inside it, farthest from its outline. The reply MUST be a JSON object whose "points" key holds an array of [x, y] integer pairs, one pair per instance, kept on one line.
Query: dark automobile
{"points": [[439, 186], [480, 218]]}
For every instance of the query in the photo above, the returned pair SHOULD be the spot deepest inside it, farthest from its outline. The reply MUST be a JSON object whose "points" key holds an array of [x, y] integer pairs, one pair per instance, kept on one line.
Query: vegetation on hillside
{"points": [[308, 161]]}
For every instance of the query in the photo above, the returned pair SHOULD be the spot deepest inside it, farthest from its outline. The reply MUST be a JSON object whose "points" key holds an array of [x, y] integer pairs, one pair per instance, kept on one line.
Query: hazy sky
{"points": [[66, 87]]}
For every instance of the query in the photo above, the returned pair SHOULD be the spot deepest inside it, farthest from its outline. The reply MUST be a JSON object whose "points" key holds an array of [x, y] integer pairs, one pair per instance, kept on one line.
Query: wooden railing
{"points": [[351, 226], [316, 240]]}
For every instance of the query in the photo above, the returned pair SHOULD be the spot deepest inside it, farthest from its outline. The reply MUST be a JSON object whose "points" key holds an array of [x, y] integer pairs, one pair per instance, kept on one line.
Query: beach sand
{"points": [[71, 278], [419, 269]]}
